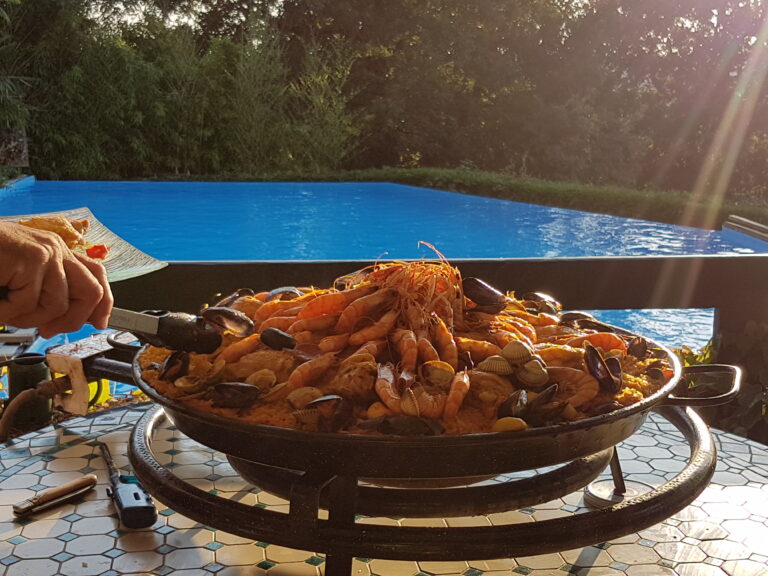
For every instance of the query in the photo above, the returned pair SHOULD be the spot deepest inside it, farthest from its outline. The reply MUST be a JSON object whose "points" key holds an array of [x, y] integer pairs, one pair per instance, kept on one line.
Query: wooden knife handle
{"points": [[66, 488]]}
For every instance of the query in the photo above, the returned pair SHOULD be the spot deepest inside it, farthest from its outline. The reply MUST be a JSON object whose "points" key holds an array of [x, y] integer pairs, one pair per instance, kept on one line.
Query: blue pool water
{"points": [[339, 221]]}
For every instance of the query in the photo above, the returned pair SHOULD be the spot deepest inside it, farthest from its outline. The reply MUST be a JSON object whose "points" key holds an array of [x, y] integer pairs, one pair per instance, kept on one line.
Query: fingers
{"points": [[90, 299], [49, 286], [100, 314]]}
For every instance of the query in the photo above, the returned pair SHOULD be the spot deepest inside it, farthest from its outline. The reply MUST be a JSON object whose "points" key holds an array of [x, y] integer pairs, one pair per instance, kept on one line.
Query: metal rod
{"points": [[617, 474]]}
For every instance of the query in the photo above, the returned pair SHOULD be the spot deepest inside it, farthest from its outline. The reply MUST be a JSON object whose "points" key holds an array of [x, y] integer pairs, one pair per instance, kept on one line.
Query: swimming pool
{"points": [[340, 221]]}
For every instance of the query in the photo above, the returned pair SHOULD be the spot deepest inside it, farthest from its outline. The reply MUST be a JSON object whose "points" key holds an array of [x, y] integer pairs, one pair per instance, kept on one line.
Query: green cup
{"points": [[24, 372]]}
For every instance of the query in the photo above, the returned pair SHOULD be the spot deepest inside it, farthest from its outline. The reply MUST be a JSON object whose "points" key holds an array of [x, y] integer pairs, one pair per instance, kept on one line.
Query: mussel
{"points": [[329, 413], [283, 293], [486, 297], [228, 300], [277, 339], [540, 302], [597, 367], [233, 395], [538, 411], [223, 318], [175, 365]]}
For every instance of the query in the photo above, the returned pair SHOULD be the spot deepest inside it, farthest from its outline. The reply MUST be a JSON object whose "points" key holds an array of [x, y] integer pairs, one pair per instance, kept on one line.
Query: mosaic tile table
{"points": [[724, 532]]}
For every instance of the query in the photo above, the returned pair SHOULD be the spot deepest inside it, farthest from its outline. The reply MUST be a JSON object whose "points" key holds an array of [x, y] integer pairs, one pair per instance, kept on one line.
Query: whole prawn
{"points": [[363, 307], [407, 346], [306, 373], [378, 329], [333, 302], [457, 393], [386, 388], [444, 343], [604, 340], [575, 386]]}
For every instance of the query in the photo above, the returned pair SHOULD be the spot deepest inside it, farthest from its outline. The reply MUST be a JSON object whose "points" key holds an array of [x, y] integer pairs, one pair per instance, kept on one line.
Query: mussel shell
{"points": [[515, 405], [597, 367], [638, 347], [233, 395], [175, 365], [228, 300], [335, 412], [283, 293], [230, 319], [483, 294], [542, 302], [277, 339]]}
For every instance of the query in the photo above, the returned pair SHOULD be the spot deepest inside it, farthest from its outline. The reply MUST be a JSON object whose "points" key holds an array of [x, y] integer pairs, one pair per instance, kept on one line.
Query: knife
{"points": [[175, 330], [55, 496]]}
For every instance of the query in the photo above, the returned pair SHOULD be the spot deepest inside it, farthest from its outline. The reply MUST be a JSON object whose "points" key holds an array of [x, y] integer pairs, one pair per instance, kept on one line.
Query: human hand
{"points": [[49, 286]]}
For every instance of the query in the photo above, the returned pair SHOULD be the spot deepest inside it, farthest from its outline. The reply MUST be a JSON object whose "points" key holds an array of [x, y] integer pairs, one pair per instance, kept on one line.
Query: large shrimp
{"points": [[431, 403], [560, 355], [386, 388], [574, 386], [237, 350], [426, 351], [334, 302], [457, 393], [279, 322], [373, 347], [306, 373], [316, 323], [276, 308], [444, 342], [378, 329], [364, 307], [407, 346], [333, 343], [606, 341], [477, 350]]}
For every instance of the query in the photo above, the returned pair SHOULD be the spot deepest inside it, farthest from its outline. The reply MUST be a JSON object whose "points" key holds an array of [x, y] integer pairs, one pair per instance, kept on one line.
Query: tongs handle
{"points": [[716, 400]]}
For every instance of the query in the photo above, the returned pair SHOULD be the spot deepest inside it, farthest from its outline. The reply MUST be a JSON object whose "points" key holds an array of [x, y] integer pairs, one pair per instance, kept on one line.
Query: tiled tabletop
{"points": [[724, 532]]}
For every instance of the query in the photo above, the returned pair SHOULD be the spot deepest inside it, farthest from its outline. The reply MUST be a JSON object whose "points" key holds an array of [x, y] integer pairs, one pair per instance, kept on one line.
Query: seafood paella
{"points": [[407, 348]]}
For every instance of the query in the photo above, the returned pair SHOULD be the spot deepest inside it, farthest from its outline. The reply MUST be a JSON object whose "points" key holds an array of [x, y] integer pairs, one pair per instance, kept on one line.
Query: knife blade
{"points": [[55, 496]]}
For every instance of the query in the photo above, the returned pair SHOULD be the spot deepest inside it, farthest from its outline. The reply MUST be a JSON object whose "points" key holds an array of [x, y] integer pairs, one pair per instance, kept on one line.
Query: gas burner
{"points": [[345, 496]]}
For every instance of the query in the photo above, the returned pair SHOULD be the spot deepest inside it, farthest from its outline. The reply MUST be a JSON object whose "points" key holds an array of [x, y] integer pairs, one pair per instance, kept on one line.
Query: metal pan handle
{"points": [[734, 371]]}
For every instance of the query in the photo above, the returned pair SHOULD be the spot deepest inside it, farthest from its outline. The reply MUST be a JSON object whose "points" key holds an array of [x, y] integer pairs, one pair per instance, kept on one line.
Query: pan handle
{"points": [[735, 373]]}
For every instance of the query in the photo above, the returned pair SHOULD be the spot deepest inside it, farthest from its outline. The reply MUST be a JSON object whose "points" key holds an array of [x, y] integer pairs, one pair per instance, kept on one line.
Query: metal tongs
{"points": [[178, 330], [175, 330]]}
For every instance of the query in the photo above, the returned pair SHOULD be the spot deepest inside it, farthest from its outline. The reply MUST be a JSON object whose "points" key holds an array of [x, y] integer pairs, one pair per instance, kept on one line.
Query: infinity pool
{"points": [[339, 221]]}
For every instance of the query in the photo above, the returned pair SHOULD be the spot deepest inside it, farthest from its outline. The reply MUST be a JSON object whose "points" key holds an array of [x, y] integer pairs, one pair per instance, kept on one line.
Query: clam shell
{"points": [[517, 352], [532, 373], [408, 403], [307, 417], [190, 384], [437, 373], [264, 379], [496, 365]]}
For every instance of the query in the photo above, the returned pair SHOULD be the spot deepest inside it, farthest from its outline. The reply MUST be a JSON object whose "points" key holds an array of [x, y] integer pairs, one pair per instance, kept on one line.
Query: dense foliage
{"points": [[668, 94]]}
